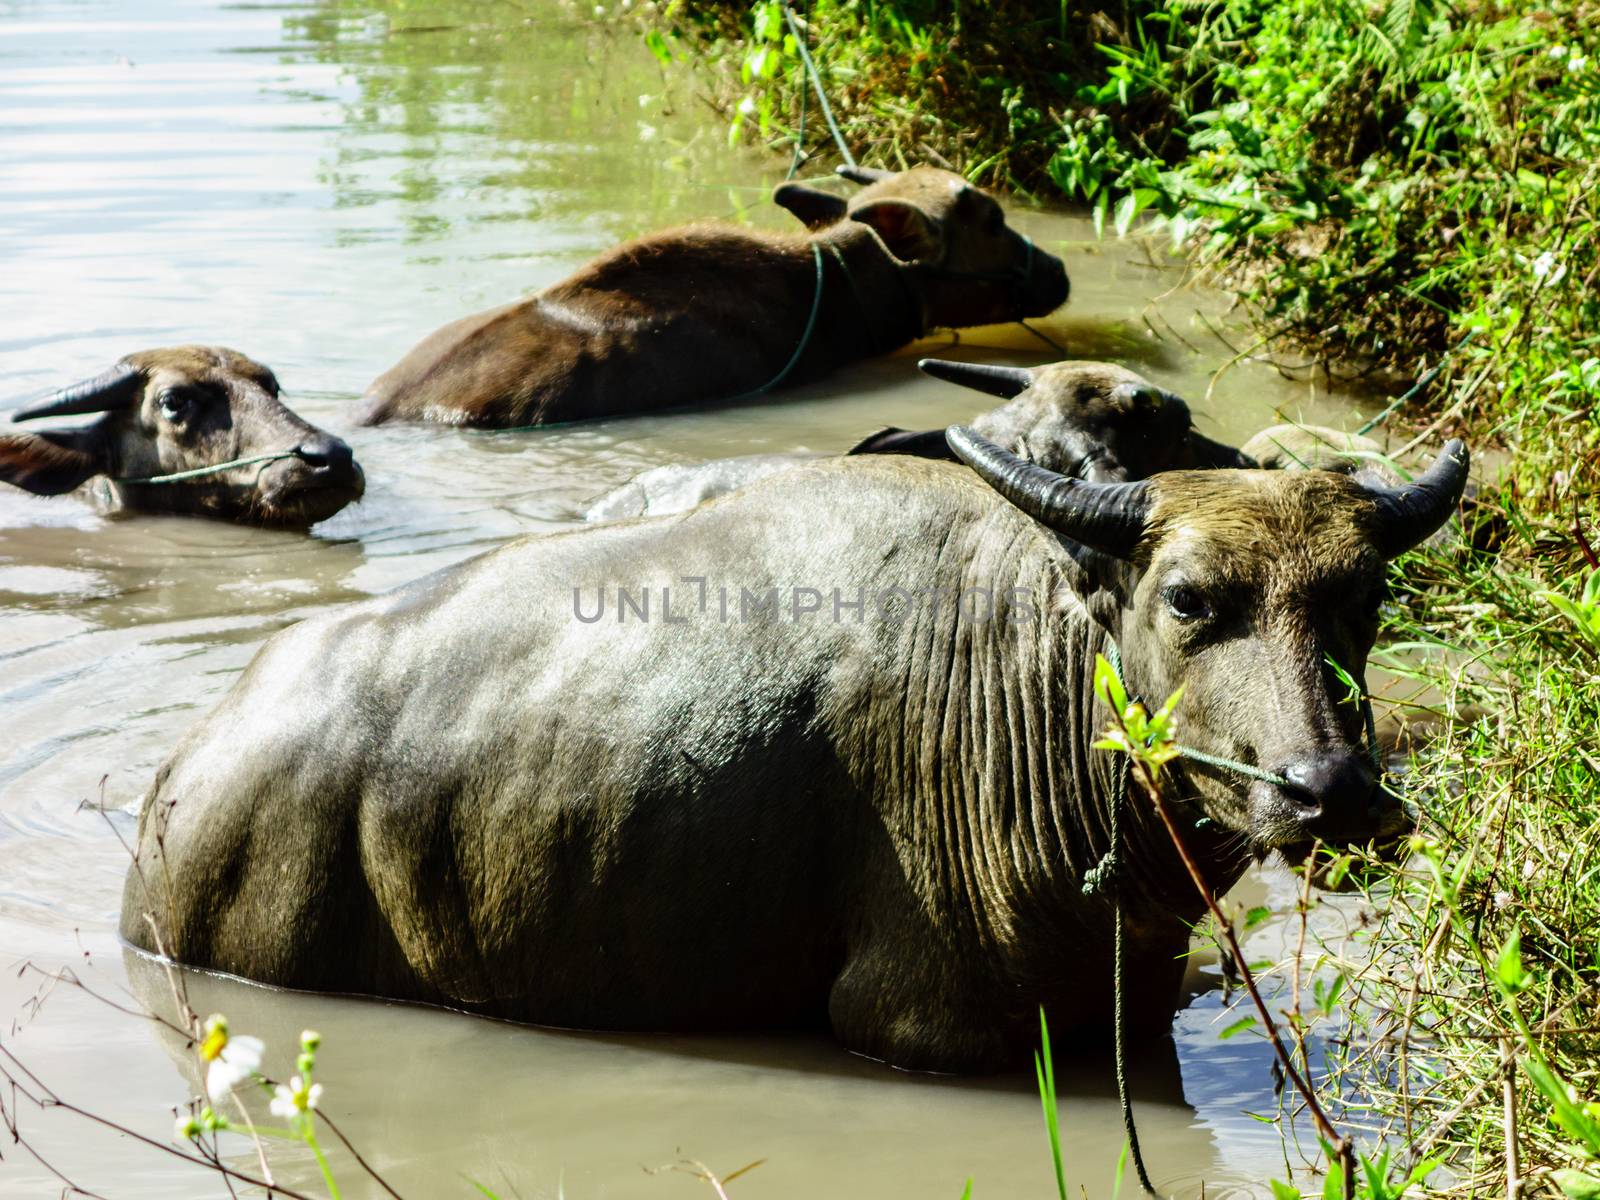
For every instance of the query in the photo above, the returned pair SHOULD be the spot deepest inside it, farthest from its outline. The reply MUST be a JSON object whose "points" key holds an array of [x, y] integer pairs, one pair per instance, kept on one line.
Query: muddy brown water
{"points": [[318, 185]]}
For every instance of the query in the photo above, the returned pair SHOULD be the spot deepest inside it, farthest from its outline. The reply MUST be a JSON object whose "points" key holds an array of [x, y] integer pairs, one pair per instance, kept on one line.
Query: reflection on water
{"points": [[319, 185]]}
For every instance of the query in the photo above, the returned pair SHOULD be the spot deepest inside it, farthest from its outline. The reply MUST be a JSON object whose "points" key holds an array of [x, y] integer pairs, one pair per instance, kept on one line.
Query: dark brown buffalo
{"points": [[715, 313], [185, 408]]}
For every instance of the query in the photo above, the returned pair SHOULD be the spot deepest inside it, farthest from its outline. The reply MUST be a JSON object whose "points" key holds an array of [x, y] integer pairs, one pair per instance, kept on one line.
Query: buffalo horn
{"points": [[108, 390], [1410, 513], [1109, 517], [1004, 382], [862, 175]]}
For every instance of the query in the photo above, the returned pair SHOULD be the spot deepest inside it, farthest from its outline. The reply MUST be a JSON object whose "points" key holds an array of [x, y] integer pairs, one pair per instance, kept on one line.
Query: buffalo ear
{"points": [[928, 443], [910, 234], [49, 464], [816, 209]]}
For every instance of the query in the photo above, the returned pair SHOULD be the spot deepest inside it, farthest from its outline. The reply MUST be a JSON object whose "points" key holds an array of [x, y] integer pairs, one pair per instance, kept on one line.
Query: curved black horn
{"points": [[862, 174], [1004, 382], [106, 391], [1409, 514], [1109, 517]]}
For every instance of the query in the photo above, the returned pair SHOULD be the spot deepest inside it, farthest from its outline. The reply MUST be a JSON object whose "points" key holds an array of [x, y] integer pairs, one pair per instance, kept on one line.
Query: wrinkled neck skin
{"points": [[1003, 842]]}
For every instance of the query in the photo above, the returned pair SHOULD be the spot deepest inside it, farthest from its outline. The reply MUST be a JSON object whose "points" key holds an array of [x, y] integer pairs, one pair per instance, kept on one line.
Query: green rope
{"points": [[1043, 337], [1118, 989], [216, 469], [788, 367], [1114, 657], [1427, 378], [1107, 874], [855, 294], [816, 81], [800, 134], [805, 337], [1228, 764]]}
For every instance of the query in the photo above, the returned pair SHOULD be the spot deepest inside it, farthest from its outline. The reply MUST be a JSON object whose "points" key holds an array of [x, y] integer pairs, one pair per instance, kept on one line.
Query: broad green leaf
{"points": [[1569, 1116], [1109, 685], [1338, 870], [1377, 1172], [1127, 208], [1578, 1185], [1508, 964], [1422, 1170]]}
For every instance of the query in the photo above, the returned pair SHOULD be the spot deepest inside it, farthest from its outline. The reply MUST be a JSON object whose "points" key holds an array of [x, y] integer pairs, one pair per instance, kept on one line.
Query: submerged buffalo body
{"points": [[777, 784], [167, 418], [711, 313]]}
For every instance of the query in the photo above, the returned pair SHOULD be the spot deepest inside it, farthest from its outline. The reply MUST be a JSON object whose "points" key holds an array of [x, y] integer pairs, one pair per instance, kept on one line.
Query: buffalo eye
{"points": [[1185, 603], [175, 405]]}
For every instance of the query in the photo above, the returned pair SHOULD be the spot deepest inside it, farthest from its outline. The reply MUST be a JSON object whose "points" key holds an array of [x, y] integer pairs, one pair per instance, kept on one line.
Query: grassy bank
{"points": [[1385, 184]]}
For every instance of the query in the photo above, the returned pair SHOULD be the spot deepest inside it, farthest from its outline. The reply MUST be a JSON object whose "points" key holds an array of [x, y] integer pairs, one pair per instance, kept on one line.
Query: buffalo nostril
{"points": [[1335, 788], [327, 454], [1300, 791]]}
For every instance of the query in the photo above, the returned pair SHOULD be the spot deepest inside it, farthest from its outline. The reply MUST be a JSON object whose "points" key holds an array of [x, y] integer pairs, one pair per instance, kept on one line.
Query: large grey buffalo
{"points": [[818, 751], [712, 313], [168, 418]]}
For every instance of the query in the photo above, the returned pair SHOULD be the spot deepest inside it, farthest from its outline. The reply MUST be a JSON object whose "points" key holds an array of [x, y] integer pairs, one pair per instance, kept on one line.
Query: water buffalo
{"points": [[1313, 447], [712, 313], [762, 763], [180, 409], [1091, 420]]}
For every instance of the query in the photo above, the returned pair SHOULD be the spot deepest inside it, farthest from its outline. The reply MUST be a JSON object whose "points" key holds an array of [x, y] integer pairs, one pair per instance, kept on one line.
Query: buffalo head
{"points": [[967, 266], [1253, 591], [186, 408], [1091, 420]]}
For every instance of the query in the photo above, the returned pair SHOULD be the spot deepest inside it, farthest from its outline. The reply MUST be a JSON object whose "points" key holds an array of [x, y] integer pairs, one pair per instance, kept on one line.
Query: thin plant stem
{"points": [[1338, 1144]]}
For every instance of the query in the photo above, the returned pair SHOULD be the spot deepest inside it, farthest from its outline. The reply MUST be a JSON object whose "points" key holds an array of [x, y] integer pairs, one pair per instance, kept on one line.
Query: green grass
{"points": [[1377, 181]]}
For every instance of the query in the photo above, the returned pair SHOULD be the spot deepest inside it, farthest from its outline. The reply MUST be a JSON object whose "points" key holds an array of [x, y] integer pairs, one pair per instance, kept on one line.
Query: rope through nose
{"points": [[215, 469], [1114, 657]]}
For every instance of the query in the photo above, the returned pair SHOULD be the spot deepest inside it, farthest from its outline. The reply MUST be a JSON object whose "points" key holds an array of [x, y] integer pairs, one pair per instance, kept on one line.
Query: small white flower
{"points": [[291, 1101], [232, 1059]]}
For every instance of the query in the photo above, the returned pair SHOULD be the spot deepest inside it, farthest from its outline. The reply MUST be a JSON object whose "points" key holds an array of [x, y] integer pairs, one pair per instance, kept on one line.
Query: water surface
{"points": [[318, 186]]}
